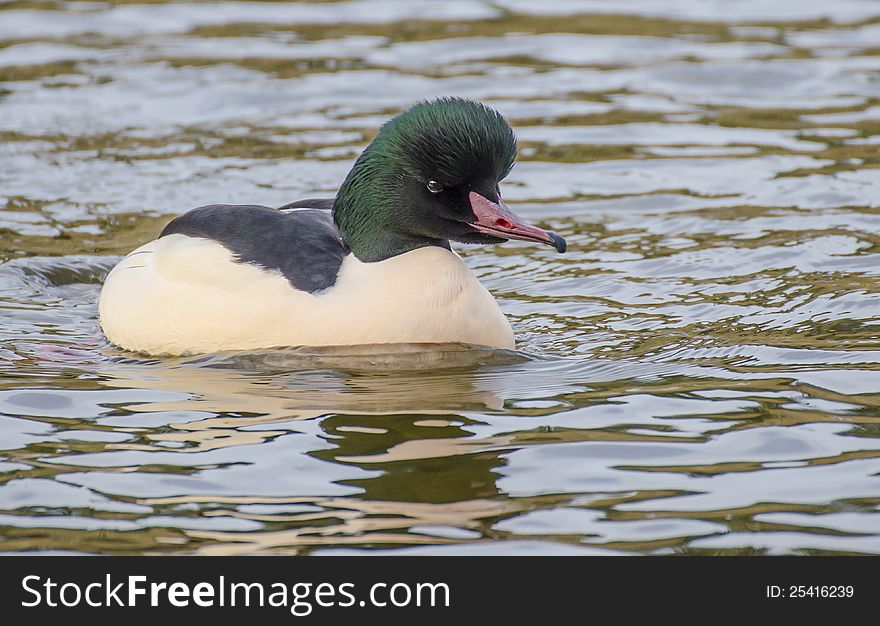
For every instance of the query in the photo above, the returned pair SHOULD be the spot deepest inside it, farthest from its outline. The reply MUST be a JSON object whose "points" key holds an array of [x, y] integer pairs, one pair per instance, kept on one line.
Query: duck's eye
{"points": [[434, 186]]}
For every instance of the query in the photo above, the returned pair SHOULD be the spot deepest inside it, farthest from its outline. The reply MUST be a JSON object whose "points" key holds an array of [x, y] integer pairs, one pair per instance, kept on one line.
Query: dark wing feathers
{"points": [[325, 204], [304, 245]]}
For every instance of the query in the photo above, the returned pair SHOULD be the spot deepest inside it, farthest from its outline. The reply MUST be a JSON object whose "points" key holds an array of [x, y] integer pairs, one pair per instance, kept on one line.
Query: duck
{"points": [[373, 265]]}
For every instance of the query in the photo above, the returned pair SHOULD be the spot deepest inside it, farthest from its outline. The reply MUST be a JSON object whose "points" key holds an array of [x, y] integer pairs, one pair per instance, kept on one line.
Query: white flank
{"points": [[186, 295]]}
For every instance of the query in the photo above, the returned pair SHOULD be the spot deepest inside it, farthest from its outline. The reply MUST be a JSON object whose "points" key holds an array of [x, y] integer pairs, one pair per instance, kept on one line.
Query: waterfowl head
{"points": [[432, 175]]}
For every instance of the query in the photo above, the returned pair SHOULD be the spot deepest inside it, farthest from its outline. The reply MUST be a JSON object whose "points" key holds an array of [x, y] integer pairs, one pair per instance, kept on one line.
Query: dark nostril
{"points": [[503, 224]]}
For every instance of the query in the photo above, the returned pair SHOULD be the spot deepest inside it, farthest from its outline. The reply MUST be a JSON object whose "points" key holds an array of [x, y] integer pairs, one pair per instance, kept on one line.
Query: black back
{"points": [[325, 204], [303, 244]]}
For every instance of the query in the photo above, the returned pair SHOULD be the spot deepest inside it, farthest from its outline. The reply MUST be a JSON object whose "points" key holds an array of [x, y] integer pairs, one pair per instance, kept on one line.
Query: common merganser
{"points": [[372, 266]]}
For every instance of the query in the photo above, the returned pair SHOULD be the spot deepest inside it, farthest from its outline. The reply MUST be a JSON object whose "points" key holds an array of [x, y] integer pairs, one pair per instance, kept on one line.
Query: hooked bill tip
{"points": [[558, 242]]}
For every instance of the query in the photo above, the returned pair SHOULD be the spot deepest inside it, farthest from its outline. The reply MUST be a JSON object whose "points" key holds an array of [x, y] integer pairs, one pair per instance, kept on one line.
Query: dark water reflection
{"points": [[699, 374]]}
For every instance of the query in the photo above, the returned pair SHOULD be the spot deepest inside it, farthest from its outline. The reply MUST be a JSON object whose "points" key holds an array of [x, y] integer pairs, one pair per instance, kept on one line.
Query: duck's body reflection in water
{"points": [[247, 388], [390, 412]]}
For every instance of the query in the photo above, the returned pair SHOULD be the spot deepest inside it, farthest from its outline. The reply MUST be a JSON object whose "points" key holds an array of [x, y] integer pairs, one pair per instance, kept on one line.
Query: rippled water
{"points": [[699, 374]]}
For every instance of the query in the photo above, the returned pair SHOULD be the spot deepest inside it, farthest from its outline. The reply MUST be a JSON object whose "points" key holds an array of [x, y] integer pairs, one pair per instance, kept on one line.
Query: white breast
{"points": [[184, 295]]}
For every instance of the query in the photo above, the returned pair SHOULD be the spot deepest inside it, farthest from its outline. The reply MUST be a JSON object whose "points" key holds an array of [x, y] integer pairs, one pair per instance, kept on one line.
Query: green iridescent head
{"points": [[432, 175]]}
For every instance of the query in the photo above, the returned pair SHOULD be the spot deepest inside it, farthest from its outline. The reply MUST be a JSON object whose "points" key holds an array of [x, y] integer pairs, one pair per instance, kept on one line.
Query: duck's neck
{"points": [[368, 212], [372, 250]]}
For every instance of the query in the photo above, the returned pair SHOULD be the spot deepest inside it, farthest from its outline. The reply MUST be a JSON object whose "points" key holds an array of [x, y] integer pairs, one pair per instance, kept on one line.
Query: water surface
{"points": [[699, 374]]}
